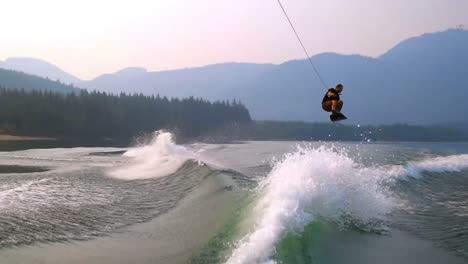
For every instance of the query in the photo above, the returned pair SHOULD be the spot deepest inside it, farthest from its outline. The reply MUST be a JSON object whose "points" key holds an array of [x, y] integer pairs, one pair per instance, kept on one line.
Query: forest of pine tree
{"points": [[91, 115]]}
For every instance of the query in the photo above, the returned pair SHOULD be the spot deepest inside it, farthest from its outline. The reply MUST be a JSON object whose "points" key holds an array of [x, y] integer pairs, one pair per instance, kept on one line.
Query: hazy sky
{"points": [[91, 37]]}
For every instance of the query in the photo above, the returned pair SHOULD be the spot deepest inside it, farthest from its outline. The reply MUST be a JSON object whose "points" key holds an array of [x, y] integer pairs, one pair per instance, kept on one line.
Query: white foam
{"points": [[452, 163], [324, 181], [303, 185], [415, 169], [160, 158]]}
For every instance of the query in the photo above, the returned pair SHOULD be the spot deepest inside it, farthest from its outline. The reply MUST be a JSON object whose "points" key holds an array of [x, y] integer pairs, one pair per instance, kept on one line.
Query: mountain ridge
{"points": [[40, 68], [10, 79], [418, 81]]}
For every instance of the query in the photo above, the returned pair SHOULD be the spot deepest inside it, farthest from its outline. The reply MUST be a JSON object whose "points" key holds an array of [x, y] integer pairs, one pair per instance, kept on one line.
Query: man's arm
{"points": [[330, 93]]}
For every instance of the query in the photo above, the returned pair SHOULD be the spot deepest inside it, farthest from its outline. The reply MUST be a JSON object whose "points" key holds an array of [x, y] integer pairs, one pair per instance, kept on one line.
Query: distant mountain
{"points": [[18, 80], [219, 81], [422, 80], [40, 68]]}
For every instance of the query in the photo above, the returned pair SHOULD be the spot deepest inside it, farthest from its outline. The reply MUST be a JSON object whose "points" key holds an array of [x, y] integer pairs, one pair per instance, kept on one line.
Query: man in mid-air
{"points": [[331, 101]]}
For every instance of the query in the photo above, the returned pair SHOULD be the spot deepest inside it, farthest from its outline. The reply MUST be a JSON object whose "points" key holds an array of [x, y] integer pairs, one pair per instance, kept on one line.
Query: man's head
{"points": [[339, 88]]}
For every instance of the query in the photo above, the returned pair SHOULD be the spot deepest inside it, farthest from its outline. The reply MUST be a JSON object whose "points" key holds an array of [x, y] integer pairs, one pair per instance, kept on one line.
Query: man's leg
{"points": [[339, 105], [336, 106], [327, 106]]}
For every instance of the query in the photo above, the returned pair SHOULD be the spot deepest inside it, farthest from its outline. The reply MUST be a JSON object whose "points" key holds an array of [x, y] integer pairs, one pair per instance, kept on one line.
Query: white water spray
{"points": [[454, 163], [160, 158], [304, 185], [324, 182]]}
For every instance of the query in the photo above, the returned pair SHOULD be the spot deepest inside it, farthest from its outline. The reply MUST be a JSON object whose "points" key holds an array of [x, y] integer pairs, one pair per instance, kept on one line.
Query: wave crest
{"points": [[305, 184], [159, 158]]}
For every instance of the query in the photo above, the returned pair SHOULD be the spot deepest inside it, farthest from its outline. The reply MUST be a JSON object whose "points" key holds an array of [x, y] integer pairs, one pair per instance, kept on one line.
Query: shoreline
{"points": [[4, 137], [210, 140]]}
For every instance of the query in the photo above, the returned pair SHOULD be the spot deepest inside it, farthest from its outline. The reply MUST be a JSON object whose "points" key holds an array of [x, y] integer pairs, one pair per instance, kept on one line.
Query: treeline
{"points": [[91, 115], [97, 115], [304, 131]]}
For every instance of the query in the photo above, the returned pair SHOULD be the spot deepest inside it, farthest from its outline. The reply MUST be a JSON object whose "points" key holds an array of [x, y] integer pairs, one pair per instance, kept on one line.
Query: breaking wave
{"points": [[159, 158], [324, 182]]}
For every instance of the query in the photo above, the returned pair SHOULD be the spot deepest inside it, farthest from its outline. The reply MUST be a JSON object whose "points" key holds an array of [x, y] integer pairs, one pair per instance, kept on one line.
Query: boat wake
{"points": [[324, 182], [159, 158]]}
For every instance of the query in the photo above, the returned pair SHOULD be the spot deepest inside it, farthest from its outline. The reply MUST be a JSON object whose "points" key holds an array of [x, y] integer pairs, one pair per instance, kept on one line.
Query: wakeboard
{"points": [[337, 117]]}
